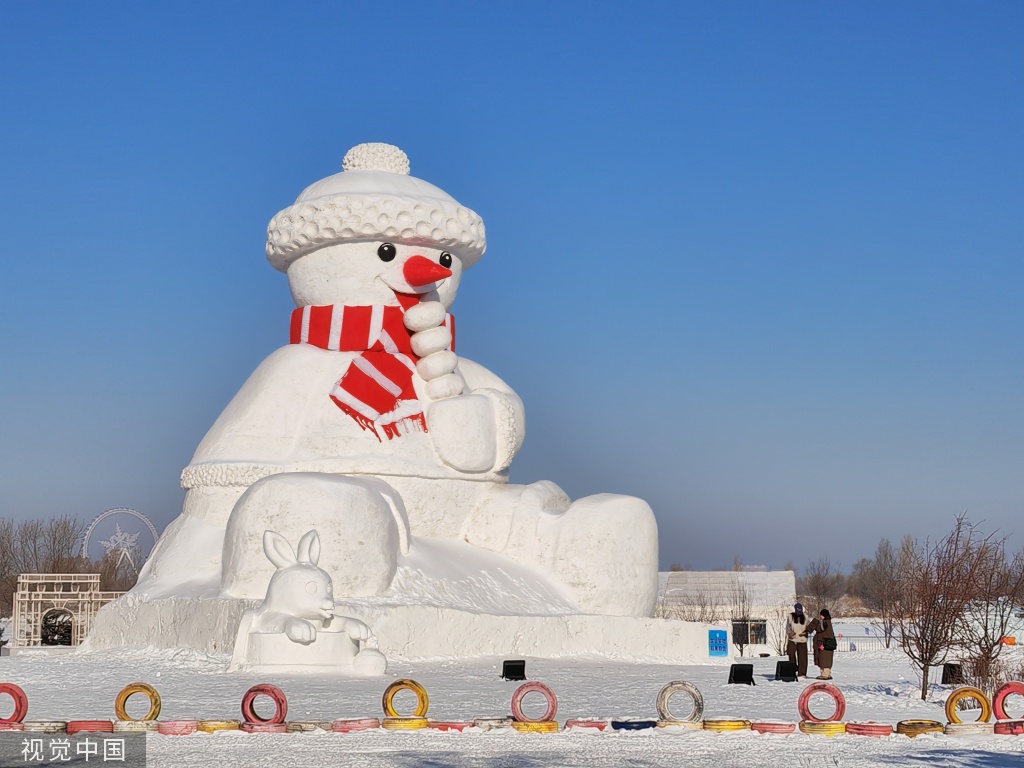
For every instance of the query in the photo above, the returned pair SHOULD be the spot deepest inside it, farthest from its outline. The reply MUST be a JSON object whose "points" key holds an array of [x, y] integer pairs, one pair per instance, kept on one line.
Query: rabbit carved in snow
{"points": [[300, 596]]}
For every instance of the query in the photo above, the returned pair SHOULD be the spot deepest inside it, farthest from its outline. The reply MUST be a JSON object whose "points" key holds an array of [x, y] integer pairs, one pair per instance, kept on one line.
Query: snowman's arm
{"points": [[482, 429]]}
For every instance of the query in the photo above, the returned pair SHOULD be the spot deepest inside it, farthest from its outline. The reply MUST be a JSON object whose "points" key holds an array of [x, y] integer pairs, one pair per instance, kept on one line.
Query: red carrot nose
{"points": [[419, 270]]}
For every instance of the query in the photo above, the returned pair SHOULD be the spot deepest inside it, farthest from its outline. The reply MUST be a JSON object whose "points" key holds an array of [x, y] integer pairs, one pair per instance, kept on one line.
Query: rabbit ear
{"points": [[278, 549], [309, 548]]}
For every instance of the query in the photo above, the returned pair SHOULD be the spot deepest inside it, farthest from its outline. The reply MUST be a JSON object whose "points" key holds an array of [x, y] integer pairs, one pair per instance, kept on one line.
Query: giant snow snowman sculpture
{"points": [[369, 428]]}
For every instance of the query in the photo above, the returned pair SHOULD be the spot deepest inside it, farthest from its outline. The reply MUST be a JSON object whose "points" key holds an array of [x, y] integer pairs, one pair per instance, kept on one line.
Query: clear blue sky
{"points": [[758, 263]]}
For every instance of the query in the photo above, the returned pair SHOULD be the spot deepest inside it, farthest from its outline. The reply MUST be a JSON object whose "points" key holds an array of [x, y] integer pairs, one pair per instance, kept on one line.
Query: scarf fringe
{"points": [[416, 422]]}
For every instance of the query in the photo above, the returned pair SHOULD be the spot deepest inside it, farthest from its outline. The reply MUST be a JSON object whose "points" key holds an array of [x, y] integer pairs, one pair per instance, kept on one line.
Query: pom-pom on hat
{"points": [[374, 198]]}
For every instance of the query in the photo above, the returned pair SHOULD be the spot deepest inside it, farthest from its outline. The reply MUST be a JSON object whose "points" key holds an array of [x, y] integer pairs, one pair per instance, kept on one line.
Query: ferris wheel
{"points": [[124, 533]]}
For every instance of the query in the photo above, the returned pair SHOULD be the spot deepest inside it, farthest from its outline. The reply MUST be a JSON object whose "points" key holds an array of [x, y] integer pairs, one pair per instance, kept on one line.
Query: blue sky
{"points": [[760, 264]]}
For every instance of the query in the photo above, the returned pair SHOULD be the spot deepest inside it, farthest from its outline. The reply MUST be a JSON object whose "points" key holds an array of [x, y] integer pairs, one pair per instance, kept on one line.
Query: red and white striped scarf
{"points": [[376, 388]]}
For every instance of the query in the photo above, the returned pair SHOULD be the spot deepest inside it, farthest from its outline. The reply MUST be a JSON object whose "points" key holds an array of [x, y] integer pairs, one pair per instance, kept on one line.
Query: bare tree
{"points": [[37, 546], [821, 584], [740, 614], [997, 591], [934, 591], [701, 605], [875, 581]]}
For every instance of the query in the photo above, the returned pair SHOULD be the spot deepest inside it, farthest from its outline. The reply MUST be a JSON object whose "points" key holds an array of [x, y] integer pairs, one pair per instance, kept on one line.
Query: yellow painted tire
{"points": [[404, 723], [967, 692], [914, 728], [212, 726], [828, 728], [537, 726], [146, 690], [422, 700], [724, 726]]}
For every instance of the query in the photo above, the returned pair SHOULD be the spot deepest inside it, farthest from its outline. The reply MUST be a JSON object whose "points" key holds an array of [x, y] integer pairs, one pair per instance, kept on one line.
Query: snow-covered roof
{"points": [[764, 588]]}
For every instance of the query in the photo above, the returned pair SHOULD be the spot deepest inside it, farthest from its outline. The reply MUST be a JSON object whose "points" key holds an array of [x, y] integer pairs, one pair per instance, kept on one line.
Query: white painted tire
{"points": [[680, 686]]}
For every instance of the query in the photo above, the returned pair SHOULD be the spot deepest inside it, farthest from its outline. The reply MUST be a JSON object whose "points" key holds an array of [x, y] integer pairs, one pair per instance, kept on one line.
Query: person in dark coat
{"points": [[796, 647], [824, 643]]}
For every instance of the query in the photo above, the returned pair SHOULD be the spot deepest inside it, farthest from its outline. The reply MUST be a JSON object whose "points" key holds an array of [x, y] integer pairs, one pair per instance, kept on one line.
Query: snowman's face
{"points": [[370, 272]]}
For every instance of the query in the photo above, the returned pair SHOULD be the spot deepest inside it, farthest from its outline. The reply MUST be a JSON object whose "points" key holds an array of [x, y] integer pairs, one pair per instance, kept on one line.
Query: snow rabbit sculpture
{"points": [[299, 606]]}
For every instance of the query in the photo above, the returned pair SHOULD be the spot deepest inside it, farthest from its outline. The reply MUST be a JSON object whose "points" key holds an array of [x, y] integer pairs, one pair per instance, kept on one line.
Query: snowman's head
{"points": [[373, 234]]}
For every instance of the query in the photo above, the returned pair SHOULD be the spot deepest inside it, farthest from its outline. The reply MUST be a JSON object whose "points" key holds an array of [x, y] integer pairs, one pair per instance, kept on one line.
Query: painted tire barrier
{"points": [[534, 687], [404, 723], [264, 728], [130, 690], [725, 726], [422, 700], [535, 726], [914, 728], [1014, 687], [680, 686], [633, 725], [803, 703], [492, 723], [11, 727], [89, 726], [877, 730], [135, 726], [772, 727], [45, 726], [272, 692], [213, 726], [586, 724], [351, 726], [680, 725], [1009, 727], [298, 726], [20, 702], [828, 728], [457, 726], [176, 727], [967, 692], [969, 729]]}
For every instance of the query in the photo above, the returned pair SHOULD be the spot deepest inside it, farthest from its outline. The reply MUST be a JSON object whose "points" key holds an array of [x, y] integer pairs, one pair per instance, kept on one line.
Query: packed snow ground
{"points": [[877, 685]]}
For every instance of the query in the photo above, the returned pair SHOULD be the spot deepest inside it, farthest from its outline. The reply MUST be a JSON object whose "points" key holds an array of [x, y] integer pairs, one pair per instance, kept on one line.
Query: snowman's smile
{"points": [[419, 275]]}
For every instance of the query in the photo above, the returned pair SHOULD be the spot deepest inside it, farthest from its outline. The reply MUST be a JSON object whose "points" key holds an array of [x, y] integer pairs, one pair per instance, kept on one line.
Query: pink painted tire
{"points": [[449, 725], [593, 725], [11, 727], [1009, 727], [877, 730], [802, 704], [262, 727], [533, 687], [176, 727], [351, 726], [90, 726], [999, 699], [273, 692], [20, 702], [773, 727]]}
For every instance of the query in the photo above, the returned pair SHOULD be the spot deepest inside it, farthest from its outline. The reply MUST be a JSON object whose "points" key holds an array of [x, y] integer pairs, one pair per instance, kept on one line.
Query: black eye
{"points": [[445, 260], [387, 252]]}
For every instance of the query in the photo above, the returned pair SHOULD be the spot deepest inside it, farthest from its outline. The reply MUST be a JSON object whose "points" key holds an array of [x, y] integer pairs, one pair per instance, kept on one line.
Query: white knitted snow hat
{"points": [[374, 198]]}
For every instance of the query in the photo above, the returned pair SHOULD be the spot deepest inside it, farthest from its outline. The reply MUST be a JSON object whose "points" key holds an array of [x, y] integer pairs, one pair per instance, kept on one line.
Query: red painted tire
{"points": [[11, 727], [20, 702], [90, 726], [826, 688], [350, 726], [773, 727], [876, 730], [273, 692], [594, 725], [262, 727], [1009, 727], [533, 687], [449, 725], [999, 699], [176, 727]]}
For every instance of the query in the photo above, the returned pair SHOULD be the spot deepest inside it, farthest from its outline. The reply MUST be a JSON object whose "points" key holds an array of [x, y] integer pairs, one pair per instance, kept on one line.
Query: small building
{"points": [[56, 609], [752, 604]]}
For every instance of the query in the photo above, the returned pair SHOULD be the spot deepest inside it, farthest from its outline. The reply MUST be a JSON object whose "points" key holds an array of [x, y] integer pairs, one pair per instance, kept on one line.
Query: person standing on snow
{"points": [[796, 631], [824, 643]]}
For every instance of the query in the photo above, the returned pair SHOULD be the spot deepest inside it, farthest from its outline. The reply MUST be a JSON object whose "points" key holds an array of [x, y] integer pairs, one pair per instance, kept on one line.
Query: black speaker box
{"points": [[786, 671], [952, 674], [513, 669], [742, 674]]}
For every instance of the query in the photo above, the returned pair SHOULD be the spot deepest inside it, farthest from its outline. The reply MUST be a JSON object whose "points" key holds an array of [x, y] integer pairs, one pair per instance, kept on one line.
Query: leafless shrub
{"points": [[821, 584], [934, 589]]}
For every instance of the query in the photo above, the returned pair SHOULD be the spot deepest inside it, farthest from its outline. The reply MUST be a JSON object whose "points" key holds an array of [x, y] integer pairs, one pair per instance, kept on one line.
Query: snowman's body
{"points": [[300, 447]]}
